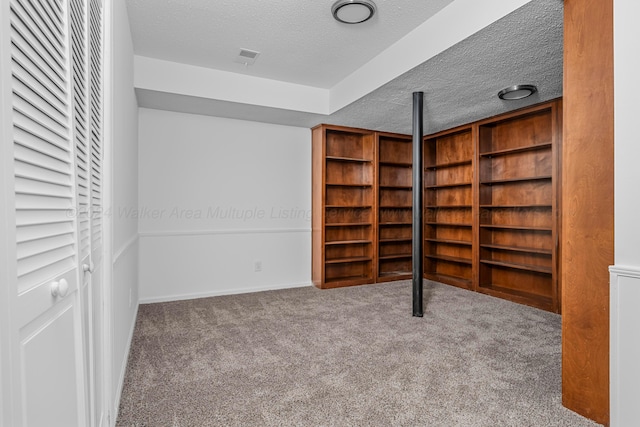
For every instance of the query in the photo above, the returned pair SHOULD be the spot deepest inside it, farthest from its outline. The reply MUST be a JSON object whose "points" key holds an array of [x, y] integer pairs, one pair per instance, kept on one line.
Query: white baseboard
{"points": [[230, 291], [116, 403], [624, 345]]}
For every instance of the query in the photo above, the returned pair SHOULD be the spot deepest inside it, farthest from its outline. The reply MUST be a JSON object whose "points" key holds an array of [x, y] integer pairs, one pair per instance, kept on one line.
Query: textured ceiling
{"points": [[298, 40], [460, 84]]}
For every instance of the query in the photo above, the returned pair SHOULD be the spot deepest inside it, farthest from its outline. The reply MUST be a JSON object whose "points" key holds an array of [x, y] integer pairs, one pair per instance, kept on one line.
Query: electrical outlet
{"points": [[257, 266]]}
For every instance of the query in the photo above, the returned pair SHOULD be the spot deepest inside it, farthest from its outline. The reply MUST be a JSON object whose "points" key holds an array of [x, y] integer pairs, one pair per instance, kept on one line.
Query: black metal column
{"points": [[417, 256]]}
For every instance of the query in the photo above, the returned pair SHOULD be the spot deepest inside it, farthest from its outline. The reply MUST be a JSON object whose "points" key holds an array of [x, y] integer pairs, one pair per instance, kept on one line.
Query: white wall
{"points": [[627, 138], [216, 196], [625, 275], [124, 184]]}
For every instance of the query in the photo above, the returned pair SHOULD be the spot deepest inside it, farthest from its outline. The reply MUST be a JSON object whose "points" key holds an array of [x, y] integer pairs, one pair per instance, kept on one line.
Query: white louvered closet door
{"points": [[56, 126], [78, 18], [47, 316], [95, 296]]}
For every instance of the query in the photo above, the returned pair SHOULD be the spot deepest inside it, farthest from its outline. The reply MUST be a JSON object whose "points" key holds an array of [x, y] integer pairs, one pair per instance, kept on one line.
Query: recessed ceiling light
{"points": [[517, 92], [353, 11]]}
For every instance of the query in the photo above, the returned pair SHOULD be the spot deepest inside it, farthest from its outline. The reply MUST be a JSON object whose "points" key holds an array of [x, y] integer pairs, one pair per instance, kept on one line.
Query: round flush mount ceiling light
{"points": [[517, 92], [353, 11]]}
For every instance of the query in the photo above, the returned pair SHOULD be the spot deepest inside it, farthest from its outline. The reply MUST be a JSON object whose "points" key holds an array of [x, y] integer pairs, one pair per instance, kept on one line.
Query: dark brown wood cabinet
{"points": [[491, 206]]}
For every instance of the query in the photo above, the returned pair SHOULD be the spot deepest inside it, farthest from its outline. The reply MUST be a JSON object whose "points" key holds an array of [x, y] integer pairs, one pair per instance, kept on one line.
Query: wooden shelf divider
{"points": [[518, 249], [449, 185], [517, 266], [516, 180], [348, 159], [505, 151], [448, 164], [449, 242], [449, 258], [448, 224]]}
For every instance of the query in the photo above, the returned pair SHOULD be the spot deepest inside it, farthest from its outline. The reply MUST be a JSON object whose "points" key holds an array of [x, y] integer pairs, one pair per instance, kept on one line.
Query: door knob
{"points": [[88, 268], [59, 289]]}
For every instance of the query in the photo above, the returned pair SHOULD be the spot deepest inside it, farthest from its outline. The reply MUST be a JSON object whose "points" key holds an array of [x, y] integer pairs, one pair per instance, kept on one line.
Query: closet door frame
{"points": [[7, 216], [111, 394]]}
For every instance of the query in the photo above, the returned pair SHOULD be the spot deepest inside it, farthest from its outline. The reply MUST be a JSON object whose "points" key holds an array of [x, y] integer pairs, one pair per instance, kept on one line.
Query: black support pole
{"points": [[417, 204]]}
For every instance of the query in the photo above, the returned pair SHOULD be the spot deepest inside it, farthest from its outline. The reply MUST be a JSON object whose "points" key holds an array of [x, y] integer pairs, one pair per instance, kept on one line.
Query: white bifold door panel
{"points": [[51, 55]]}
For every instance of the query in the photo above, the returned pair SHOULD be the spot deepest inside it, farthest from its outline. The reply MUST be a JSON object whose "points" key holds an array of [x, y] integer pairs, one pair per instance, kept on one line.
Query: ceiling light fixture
{"points": [[517, 92], [353, 11]]}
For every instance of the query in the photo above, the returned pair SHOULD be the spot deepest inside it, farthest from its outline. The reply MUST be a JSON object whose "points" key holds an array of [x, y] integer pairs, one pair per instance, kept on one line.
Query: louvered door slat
{"points": [[38, 122], [31, 49], [34, 202], [79, 87], [95, 121], [54, 10], [33, 173], [36, 232], [23, 25], [56, 4], [49, 81], [43, 155], [41, 267], [44, 245], [34, 89], [55, 117], [32, 216], [38, 186], [46, 160], [43, 19], [42, 114], [50, 37], [38, 138]]}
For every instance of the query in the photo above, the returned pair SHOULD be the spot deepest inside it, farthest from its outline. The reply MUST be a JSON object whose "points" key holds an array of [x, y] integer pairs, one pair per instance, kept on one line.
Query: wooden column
{"points": [[587, 200]]}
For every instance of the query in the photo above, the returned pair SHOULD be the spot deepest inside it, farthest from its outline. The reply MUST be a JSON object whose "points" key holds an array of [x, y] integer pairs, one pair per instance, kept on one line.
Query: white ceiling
{"points": [[298, 40], [460, 82]]}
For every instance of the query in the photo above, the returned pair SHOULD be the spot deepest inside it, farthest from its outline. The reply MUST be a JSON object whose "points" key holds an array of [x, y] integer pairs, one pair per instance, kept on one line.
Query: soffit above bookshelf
{"points": [[460, 84]]}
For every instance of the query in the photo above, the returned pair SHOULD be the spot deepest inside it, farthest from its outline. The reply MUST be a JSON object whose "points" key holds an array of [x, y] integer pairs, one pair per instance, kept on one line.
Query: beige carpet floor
{"points": [[345, 357]]}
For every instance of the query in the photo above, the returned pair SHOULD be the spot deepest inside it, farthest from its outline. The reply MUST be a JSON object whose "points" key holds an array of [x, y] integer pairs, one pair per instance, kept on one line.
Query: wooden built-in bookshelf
{"points": [[448, 207], [517, 206], [394, 186], [343, 204], [490, 202]]}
